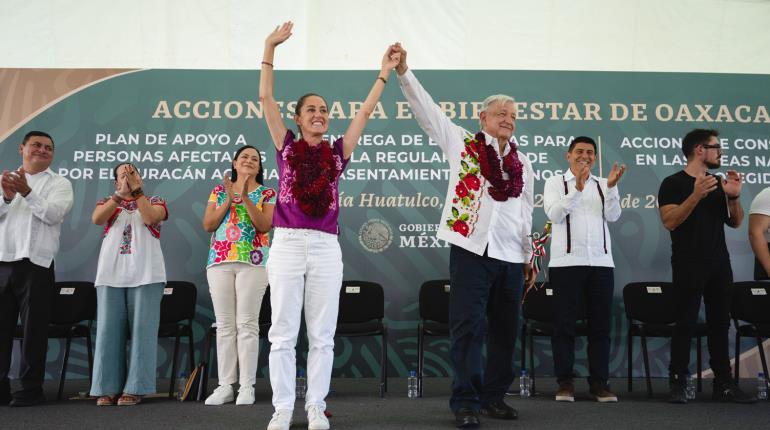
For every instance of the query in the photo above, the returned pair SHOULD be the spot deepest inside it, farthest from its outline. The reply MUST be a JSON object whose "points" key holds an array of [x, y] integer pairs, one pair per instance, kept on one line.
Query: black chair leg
{"points": [[191, 349], [699, 359], [762, 354], [174, 366], [630, 360], [646, 365], [420, 357], [90, 355], [206, 360], [737, 354], [384, 365], [64, 366]]}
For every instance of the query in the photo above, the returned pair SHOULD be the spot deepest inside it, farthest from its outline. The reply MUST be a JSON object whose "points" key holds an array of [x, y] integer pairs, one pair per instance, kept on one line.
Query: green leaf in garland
{"points": [[466, 201], [450, 223], [464, 217], [455, 212], [465, 166]]}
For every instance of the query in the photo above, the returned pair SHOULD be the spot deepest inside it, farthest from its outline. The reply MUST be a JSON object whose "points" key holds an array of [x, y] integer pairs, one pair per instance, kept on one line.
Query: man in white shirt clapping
{"points": [[35, 201], [579, 206]]}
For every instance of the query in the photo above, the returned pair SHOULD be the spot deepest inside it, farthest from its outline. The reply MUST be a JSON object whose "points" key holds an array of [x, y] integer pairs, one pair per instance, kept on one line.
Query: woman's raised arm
{"points": [[271, 111], [356, 127]]}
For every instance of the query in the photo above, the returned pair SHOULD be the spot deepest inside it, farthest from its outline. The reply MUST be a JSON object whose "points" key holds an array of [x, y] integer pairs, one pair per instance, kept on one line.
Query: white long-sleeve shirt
{"points": [[589, 237], [30, 226], [502, 228]]}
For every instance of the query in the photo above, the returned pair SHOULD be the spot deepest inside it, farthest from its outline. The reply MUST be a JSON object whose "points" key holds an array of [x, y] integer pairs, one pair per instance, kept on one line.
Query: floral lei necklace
{"points": [[314, 172], [500, 189]]}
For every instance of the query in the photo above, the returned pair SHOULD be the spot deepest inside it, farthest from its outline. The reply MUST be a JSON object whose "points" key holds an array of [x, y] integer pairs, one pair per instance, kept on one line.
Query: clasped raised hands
{"points": [[391, 59]]}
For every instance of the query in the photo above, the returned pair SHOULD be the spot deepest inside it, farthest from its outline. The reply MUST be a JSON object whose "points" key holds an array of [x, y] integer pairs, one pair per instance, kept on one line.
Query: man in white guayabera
{"points": [[487, 219]]}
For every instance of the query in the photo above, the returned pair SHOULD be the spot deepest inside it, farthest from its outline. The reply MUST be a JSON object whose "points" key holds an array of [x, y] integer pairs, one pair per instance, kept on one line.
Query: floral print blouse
{"points": [[236, 239]]}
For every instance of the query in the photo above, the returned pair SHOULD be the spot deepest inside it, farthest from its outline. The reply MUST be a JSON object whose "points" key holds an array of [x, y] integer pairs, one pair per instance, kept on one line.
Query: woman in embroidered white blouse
{"points": [[130, 278]]}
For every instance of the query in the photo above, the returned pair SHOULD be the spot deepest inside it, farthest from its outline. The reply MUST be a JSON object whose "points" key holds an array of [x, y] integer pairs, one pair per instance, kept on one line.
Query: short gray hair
{"points": [[495, 98]]}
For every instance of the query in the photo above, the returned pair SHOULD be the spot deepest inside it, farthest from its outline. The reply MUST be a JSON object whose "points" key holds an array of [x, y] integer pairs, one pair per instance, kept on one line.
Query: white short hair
{"points": [[495, 98]]}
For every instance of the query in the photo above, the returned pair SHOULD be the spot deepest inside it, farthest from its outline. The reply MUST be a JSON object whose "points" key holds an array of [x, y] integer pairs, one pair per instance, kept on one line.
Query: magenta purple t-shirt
{"points": [[287, 212]]}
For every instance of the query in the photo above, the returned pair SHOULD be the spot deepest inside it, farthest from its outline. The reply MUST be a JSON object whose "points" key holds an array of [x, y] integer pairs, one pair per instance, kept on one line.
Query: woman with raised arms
{"points": [[305, 265]]}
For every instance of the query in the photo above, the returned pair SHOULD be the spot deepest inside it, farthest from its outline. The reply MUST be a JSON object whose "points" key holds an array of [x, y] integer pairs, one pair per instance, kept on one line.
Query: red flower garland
{"points": [[315, 170], [489, 163]]}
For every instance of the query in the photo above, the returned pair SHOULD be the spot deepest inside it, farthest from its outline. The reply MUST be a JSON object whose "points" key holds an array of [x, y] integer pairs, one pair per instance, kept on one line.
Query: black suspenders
{"points": [[604, 219], [569, 232]]}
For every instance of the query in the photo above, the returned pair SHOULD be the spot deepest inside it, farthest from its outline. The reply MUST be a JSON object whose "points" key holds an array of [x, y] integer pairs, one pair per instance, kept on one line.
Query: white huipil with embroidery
{"points": [[131, 255], [502, 228]]}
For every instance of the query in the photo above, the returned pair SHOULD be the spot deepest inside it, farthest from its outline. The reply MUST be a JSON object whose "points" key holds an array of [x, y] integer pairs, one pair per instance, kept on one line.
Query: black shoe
{"points": [[466, 418], [676, 392], [5, 392], [730, 392], [27, 398], [500, 410]]}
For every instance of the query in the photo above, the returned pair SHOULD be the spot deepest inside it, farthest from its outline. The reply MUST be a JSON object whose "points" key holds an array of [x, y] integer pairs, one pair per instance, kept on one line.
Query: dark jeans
{"points": [[713, 280], [483, 301], [28, 289], [573, 286]]}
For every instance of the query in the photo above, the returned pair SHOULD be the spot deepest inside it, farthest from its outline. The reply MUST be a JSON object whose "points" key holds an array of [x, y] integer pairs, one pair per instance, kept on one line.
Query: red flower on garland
{"points": [[461, 190], [268, 194], [315, 170], [472, 182], [500, 189], [461, 227]]}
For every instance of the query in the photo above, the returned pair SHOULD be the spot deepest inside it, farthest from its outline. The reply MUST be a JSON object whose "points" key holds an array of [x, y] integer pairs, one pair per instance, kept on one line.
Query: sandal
{"points": [[129, 400], [106, 400]]}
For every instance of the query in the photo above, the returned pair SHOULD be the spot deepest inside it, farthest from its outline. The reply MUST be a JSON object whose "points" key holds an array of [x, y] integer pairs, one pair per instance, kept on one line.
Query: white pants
{"points": [[304, 265], [236, 293]]}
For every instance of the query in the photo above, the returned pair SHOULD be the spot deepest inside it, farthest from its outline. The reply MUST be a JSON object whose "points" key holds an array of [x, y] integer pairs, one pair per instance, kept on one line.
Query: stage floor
{"points": [[355, 404]]}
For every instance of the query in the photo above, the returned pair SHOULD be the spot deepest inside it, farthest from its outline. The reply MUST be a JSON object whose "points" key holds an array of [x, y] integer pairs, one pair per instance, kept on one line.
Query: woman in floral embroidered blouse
{"points": [[305, 266], [130, 277], [239, 214]]}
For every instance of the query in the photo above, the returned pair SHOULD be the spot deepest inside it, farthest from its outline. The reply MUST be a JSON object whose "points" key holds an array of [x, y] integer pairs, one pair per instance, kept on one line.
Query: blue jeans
{"points": [[120, 310], [484, 300]]}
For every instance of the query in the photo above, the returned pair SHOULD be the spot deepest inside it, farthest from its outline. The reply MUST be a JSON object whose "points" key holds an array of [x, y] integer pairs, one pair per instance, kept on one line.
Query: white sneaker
{"points": [[245, 395], [281, 420], [223, 394], [316, 419]]}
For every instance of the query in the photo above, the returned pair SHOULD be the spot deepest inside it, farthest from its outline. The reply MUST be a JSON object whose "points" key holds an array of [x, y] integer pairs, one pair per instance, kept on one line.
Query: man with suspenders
{"points": [[579, 206]]}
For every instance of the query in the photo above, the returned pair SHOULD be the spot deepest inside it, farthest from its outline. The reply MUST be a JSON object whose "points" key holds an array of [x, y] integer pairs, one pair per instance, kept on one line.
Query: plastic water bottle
{"points": [[689, 390], [761, 386], [525, 384], [301, 384], [411, 385], [181, 385]]}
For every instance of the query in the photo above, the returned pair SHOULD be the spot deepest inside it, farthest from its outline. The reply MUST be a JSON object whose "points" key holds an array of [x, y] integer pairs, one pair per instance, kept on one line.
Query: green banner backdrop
{"points": [[180, 127]]}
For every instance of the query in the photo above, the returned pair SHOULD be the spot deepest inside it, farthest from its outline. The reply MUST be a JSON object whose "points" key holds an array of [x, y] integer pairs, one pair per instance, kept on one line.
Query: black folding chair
{"points": [[537, 311], [434, 319], [361, 313], [651, 310], [751, 303], [177, 312], [75, 302], [265, 313]]}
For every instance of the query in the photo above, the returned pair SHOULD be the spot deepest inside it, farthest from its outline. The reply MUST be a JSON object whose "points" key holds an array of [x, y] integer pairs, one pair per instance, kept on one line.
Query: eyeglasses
{"points": [[717, 147]]}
